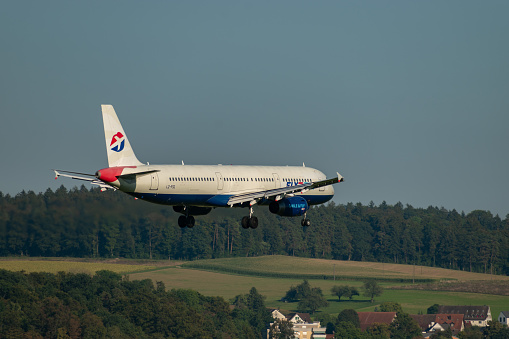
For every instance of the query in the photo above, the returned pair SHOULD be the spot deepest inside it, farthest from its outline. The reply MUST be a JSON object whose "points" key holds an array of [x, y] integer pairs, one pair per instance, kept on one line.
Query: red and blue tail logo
{"points": [[118, 141]]}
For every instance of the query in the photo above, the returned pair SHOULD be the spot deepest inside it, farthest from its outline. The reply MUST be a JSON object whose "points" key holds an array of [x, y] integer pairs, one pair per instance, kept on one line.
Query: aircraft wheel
{"points": [[245, 222], [190, 221], [253, 222], [182, 221], [305, 222]]}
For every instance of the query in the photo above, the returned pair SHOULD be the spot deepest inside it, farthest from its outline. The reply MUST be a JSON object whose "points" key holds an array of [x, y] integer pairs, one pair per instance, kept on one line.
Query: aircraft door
{"points": [[154, 183], [276, 180], [219, 178]]}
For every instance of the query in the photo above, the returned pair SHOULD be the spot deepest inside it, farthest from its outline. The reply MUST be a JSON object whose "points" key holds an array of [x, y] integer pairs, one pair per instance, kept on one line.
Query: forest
{"points": [[69, 305], [88, 223]]}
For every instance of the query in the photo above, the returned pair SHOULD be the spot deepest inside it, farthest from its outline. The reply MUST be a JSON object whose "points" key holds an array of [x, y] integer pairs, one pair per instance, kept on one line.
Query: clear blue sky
{"points": [[408, 100]]}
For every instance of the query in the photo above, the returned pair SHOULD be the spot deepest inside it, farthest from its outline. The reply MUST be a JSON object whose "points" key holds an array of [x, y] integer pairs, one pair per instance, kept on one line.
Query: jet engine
{"points": [[289, 207]]}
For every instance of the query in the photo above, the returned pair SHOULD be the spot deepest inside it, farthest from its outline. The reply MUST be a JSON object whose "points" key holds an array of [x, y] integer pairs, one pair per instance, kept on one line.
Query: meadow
{"points": [[287, 266], [215, 278], [55, 266], [228, 286]]}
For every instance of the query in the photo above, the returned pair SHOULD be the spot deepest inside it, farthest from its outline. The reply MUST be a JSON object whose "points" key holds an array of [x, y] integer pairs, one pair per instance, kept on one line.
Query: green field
{"points": [[212, 280], [55, 266], [284, 266]]}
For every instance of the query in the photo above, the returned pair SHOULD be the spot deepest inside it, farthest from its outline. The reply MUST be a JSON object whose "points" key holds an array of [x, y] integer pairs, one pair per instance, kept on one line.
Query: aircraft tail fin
{"points": [[118, 148]]}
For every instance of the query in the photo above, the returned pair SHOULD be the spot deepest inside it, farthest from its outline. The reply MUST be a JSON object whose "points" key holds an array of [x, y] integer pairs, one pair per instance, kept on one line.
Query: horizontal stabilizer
{"points": [[91, 178]]}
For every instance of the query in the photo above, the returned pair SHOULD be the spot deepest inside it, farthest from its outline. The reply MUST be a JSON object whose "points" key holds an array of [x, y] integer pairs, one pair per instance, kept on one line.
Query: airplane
{"points": [[195, 190]]}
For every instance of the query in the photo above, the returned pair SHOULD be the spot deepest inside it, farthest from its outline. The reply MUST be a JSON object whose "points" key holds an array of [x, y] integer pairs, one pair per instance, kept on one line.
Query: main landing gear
{"points": [[305, 222], [186, 221], [250, 221]]}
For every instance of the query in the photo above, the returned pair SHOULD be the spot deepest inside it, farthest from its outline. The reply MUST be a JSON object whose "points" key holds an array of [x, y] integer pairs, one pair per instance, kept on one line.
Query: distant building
{"points": [[276, 314], [503, 318], [473, 315], [424, 321], [432, 323], [369, 318], [303, 326]]}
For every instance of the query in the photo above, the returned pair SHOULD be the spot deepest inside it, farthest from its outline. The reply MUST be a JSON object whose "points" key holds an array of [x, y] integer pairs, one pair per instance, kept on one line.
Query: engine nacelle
{"points": [[192, 210], [289, 207]]}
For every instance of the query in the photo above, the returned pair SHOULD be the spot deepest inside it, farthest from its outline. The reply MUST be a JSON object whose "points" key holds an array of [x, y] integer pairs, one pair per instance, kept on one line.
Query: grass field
{"points": [[285, 265], [55, 266], [213, 279], [214, 282], [228, 286]]}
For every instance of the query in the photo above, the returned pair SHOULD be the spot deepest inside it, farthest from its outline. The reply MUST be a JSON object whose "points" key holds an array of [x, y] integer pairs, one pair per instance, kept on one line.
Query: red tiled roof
{"points": [[455, 321], [369, 318], [470, 312], [424, 320]]}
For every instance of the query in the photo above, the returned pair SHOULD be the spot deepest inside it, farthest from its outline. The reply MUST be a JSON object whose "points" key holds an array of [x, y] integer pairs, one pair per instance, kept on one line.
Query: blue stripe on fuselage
{"points": [[211, 200]]}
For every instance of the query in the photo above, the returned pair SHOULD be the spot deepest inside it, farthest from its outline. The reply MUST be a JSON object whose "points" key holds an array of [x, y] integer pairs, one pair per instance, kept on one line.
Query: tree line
{"points": [[107, 305], [93, 224]]}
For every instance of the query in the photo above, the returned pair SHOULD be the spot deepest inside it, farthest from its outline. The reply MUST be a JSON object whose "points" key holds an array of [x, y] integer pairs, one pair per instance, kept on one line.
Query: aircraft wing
{"points": [[81, 176], [279, 193]]}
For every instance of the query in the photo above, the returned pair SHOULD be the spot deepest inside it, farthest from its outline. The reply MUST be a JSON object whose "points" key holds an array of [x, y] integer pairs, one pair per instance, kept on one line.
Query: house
{"points": [[453, 321], [503, 318], [473, 315], [276, 314], [299, 318], [367, 319], [432, 323], [303, 326], [424, 321]]}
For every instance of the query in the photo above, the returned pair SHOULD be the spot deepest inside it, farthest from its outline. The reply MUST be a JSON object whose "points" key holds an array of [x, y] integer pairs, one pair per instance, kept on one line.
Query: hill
{"points": [[308, 268], [211, 280], [84, 223], [214, 277]]}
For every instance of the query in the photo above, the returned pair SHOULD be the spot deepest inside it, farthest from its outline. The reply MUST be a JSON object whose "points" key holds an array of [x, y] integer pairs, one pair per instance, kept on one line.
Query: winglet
{"points": [[340, 177]]}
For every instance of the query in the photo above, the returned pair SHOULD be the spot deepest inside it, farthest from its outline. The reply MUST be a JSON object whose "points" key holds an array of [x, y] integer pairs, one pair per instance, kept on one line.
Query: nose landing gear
{"points": [[305, 222]]}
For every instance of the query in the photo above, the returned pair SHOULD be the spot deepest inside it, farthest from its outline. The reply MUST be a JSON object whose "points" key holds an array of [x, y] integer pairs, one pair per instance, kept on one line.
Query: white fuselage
{"points": [[207, 185]]}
